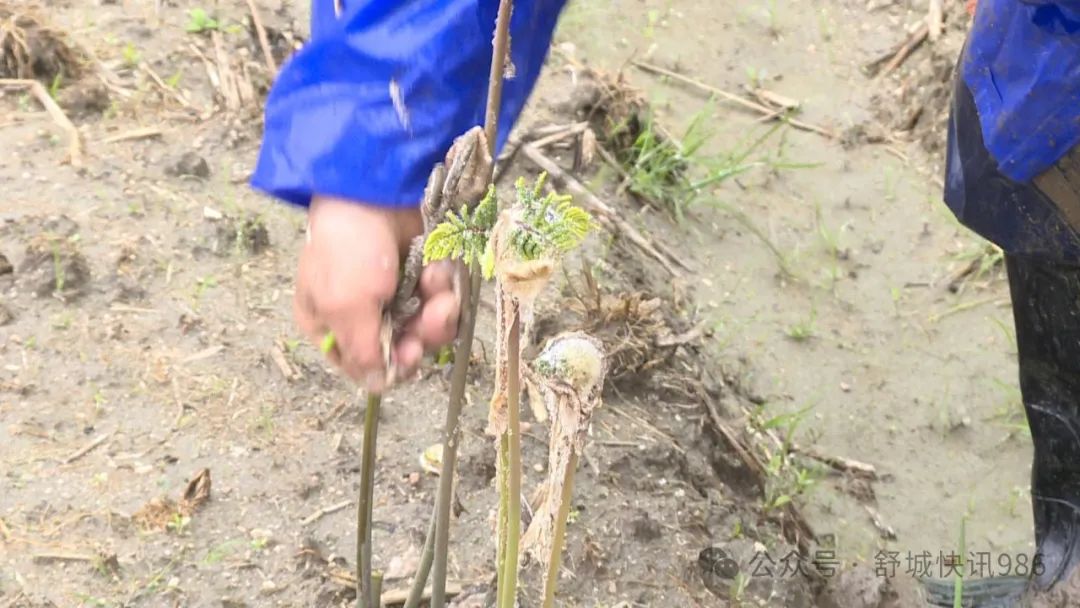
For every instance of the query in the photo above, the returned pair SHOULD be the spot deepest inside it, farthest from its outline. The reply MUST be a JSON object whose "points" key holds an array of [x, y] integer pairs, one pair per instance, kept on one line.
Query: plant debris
{"points": [[162, 514], [640, 332], [30, 49]]}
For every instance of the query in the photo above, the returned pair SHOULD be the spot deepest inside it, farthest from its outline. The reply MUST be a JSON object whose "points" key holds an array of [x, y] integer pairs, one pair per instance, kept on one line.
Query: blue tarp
{"points": [[378, 94]]}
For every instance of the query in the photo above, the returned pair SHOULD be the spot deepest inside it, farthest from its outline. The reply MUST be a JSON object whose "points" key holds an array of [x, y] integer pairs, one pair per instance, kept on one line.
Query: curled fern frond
{"points": [[550, 225], [487, 210]]}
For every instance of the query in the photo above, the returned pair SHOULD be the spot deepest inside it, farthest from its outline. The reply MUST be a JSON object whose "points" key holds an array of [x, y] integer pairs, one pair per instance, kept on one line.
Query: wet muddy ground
{"points": [[145, 331]]}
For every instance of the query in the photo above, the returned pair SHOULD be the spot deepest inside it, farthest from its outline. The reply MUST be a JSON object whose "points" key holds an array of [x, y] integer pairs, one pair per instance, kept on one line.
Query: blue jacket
{"points": [[1023, 68], [1016, 112], [377, 96]]}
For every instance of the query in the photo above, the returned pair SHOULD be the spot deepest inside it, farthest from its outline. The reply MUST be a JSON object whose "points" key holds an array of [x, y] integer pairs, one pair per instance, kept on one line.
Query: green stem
{"points": [[501, 465], [508, 593], [376, 589], [416, 593], [559, 536], [451, 438], [365, 597], [500, 48]]}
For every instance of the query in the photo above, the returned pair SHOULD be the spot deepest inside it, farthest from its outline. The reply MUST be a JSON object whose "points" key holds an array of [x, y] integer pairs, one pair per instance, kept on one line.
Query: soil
{"points": [[168, 439]]}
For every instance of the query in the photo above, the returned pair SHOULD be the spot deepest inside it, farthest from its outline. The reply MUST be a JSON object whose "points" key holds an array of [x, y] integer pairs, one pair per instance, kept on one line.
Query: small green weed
{"points": [[131, 55], [178, 524], [675, 174], [54, 88], [804, 330], [199, 21]]}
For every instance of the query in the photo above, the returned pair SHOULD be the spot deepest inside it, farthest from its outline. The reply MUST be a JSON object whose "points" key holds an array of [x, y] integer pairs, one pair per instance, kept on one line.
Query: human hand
{"points": [[348, 271]]}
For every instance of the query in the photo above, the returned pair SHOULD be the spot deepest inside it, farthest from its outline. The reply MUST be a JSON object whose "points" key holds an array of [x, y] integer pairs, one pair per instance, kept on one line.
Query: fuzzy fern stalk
{"points": [[436, 547], [527, 241], [520, 250], [569, 377]]}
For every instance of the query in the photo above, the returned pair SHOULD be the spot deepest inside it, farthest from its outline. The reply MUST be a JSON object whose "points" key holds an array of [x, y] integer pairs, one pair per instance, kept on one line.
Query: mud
{"points": [[168, 349]]}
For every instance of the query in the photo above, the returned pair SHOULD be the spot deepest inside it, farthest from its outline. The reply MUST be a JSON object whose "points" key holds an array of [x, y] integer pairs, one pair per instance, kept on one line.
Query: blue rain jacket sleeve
{"points": [[1016, 112], [377, 96], [1022, 65]]}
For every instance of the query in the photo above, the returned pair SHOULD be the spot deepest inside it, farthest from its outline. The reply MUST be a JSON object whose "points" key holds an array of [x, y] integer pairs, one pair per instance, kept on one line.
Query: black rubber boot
{"points": [[1046, 309]]}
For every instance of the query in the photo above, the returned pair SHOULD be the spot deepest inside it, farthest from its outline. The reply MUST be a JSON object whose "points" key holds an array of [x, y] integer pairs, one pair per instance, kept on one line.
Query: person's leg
{"points": [[1046, 310]]}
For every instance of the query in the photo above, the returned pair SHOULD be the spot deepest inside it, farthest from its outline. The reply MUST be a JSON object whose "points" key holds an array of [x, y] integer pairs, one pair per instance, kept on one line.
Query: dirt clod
{"points": [[248, 234], [54, 265], [855, 587], [84, 99], [6, 316], [5, 265], [646, 528], [189, 164]]}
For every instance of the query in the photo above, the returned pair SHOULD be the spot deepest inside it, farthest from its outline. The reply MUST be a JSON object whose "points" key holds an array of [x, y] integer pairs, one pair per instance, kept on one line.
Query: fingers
{"points": [[357, 330], [437, 325], [437, 278], [407, 355], [347, 272]]}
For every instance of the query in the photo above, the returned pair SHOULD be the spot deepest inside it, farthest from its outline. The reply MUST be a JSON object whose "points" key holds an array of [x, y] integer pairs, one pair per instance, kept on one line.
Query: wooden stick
{"points": [[846, 465], [904, 51], [934, 19], [323, 512], [171, 91], [749, 459], [782, 103], [225, 72], [57, 114], [804, 533], [282, 364], [597, 207], [560, 135], [883, 529], [742, 101], [44, 558], [143, 133], [86, 449], [264, 42]]}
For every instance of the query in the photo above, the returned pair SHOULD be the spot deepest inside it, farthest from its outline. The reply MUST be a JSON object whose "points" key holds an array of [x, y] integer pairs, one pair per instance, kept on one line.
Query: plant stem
{"points": [[451, 437], [500, 49], [376, 589], [559, 535], [424, 569], [465, 332], [365, 597], [508, 592], [501, 466]]}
